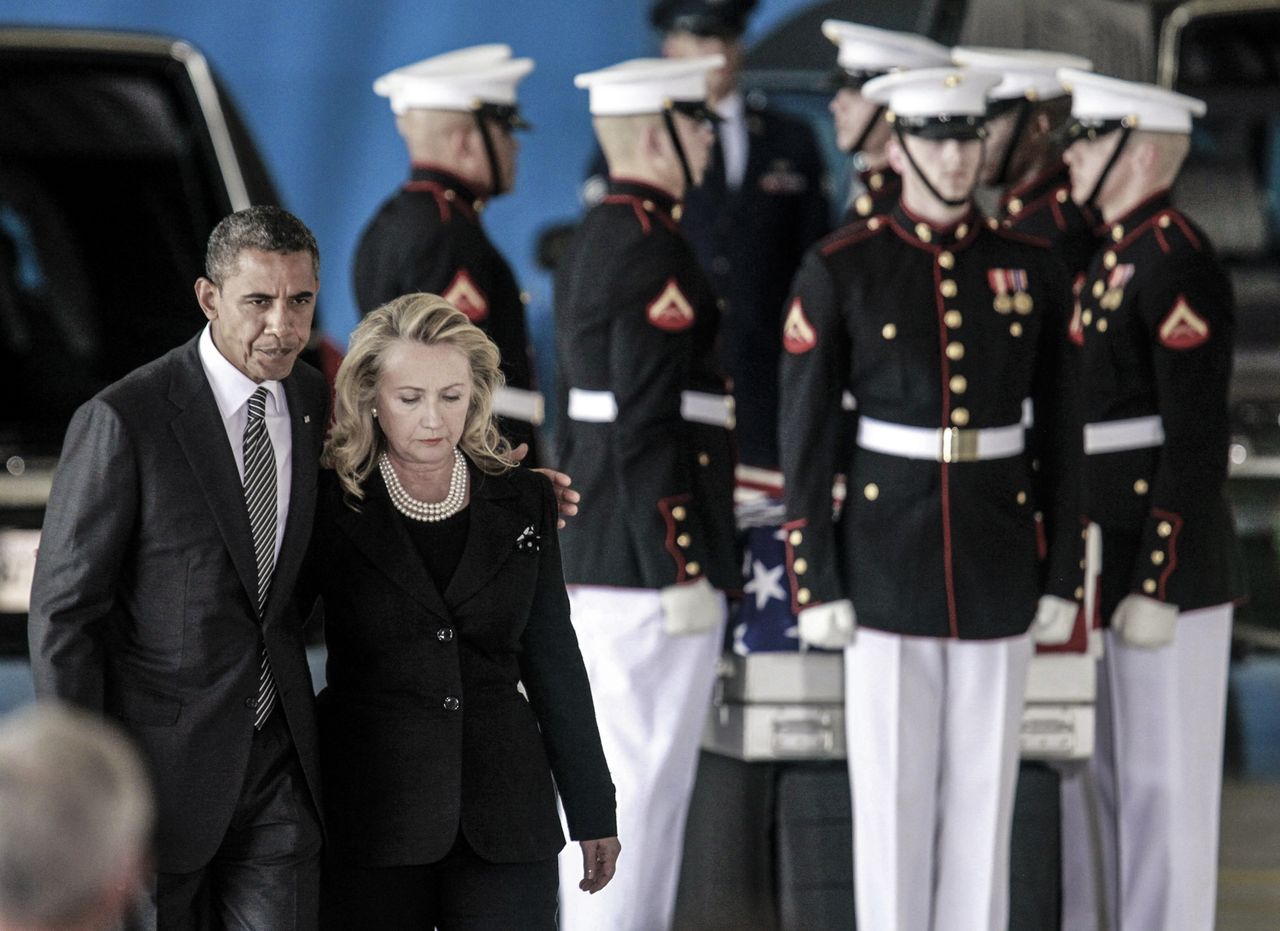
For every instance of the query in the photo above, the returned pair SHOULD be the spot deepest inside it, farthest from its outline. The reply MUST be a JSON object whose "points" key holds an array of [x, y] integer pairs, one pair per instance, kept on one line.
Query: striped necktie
{"points": [[260, 499]]}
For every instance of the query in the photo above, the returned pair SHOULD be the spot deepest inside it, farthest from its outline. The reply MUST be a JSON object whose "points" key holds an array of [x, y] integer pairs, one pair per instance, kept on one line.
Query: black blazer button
{"points": [[444, 634], [251, 701], [452, 703]]}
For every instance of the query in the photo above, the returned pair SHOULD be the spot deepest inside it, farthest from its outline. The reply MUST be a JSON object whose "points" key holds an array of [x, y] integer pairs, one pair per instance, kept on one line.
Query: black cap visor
{"points": [[697, 110], [1088, 129], [505, 115], [943, 126], [840, 78]]}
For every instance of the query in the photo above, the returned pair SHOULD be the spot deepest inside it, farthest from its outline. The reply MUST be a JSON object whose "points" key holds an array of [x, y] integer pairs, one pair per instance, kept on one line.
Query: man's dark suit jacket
{"points": [[423, 731], [143, 605]]}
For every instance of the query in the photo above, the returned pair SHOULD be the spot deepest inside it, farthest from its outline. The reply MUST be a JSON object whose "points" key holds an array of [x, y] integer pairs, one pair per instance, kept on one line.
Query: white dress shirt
{"points": [[733, 139], [232, 390]]}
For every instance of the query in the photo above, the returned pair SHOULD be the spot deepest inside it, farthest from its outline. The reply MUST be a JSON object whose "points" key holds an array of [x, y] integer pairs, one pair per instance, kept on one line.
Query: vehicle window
{"points": [[105, 202]]}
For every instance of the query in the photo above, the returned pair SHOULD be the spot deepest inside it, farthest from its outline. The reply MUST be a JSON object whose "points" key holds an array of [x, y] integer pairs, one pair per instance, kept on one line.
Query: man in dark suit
{"points": [[163, 592]]}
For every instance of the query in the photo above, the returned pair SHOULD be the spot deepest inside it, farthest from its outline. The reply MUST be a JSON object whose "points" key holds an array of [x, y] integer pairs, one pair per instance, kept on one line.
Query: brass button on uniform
{"points": [[804, 596], [1087, 317], [1099, 288], [952, 318], [796, 538], [1109, 260], [1015, 329], [452, 703], [955, 351], [1102, 325], [801, 566], [693, 568], [1149, 586], [648, 205], [1163, 222], [1157, 557], [960, 416], [678, 512], [684, 540], [888, 331], [876, 181], [1164, 528], [958, 384], [1015, 205], [1117, 232], [962, 231], [863, 205], [1079, 592], [923, 231], [704, 459], [947, 288], [1062, 196], [1022, 497], [871, 491], [946, 260], [1140, 486]]}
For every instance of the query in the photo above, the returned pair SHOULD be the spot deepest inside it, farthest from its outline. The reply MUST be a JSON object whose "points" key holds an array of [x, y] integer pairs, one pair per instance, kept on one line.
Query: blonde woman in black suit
{"points": [[456, 691]]}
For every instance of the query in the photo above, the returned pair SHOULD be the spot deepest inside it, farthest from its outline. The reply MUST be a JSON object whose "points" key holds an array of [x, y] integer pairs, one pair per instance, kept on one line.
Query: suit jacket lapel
{"points": [[304, 425], [377, 532], [494, 528], [203, 438]]}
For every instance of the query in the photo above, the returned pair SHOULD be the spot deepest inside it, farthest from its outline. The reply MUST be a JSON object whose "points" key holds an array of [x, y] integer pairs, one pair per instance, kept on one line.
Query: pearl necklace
{"points": [[427, 510]]}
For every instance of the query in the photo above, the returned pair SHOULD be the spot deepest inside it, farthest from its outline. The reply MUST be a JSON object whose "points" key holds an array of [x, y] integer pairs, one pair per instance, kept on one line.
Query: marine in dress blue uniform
{"points": [[647, 437], [945, 328], [429, 235], [1154, 321]]}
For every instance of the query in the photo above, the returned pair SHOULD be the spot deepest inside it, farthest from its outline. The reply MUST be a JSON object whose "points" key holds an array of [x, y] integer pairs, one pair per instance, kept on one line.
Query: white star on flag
{"points": [[765, 584]]}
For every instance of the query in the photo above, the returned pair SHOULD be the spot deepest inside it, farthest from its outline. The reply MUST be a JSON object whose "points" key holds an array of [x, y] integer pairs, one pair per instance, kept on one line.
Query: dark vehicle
{"points": [[118, 155]]}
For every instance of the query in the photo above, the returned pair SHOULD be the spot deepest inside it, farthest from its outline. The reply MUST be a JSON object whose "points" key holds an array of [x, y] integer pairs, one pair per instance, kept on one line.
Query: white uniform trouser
{"points": [[651, 692], [933, 762], [1158, 775]]}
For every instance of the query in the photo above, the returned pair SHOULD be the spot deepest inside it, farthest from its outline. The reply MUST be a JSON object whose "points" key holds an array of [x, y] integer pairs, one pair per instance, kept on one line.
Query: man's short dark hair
{"points": [[267, 229]]}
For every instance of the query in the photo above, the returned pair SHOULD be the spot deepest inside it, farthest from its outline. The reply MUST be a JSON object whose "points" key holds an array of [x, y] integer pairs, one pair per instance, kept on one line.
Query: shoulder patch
{"points": [[798, 334], [464, 294], [1182, 327], [670, 310]]}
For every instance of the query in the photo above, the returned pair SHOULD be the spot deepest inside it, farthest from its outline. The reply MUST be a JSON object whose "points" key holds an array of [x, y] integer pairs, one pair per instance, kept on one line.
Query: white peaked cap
{"points": [[933, 92], [1028, 73], [866, 48], [646, 85], [1150, 108], [456, 80]]}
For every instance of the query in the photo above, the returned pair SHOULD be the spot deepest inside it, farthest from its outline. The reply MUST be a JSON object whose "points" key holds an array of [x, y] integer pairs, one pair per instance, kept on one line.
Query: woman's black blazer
{"points": [[422, 730]]}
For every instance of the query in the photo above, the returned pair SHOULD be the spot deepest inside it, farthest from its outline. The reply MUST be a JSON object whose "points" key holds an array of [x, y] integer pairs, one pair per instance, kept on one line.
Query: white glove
{"points": [[1055, 620], [690, 608], [1144, 622], [829, 625]]}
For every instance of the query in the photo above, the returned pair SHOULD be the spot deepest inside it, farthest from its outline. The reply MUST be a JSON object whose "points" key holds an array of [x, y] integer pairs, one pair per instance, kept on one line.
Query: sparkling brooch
{"points": [[528, 541]]}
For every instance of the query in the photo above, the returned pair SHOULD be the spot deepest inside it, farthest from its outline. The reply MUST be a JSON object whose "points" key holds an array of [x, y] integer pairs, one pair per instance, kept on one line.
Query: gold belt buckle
{"points": [[959, 445]]}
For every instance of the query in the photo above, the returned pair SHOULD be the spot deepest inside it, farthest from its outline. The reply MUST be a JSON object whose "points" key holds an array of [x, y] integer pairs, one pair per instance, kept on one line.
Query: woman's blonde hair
{"points": [[355, 441]]}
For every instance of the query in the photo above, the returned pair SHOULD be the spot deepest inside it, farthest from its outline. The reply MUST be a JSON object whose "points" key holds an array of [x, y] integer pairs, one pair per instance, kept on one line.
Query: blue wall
{"points": [[301, 74]]}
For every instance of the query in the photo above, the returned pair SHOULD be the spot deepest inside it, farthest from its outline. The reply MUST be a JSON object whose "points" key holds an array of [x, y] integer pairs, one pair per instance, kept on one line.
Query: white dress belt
{"points": [[1117, 436], [520, 404], [940, 445], [716, 410]]}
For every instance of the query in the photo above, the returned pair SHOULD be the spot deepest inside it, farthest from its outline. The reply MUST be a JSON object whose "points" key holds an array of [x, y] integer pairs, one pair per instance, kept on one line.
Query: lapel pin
{"points": [[306, 418]]}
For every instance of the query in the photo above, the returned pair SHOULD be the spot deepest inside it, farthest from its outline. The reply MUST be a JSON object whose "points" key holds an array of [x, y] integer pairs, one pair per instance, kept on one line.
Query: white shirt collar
{"points": [[231, 387], [730, 107]]}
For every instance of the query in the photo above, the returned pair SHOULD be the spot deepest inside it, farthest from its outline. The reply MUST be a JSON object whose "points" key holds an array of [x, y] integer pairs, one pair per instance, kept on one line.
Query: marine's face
{"points": [[950, 165], [260, 316], [506, 148], [1087, 158]]}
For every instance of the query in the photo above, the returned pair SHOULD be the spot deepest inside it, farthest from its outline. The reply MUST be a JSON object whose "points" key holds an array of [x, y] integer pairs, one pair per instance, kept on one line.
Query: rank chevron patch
{"points": [[464, 294], [1183, 328], [798, 334], [670, 310]]}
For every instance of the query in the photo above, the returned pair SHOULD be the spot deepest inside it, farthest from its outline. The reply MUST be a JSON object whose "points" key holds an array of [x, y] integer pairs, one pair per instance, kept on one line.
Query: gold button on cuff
{"points": [[960, 416], [888, 331], [704, 460], [1157, 557], [1079, 592], [952, 318], [801, 566], [796, 538], [1141, 487], [947, 288], [1015, 329], [1022, 497], [684, 539], [1102, 325], [1099, 288], [804, 596], [1109, 260], [678, 512], [955, 351], [946, 260], [1164, 528], [958, 384], [923, 232], [871, 492], [1149, 586]]}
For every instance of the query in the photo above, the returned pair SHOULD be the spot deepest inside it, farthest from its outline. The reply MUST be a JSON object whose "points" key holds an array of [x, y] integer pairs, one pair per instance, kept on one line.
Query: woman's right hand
{"points": [[599, 862]]}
